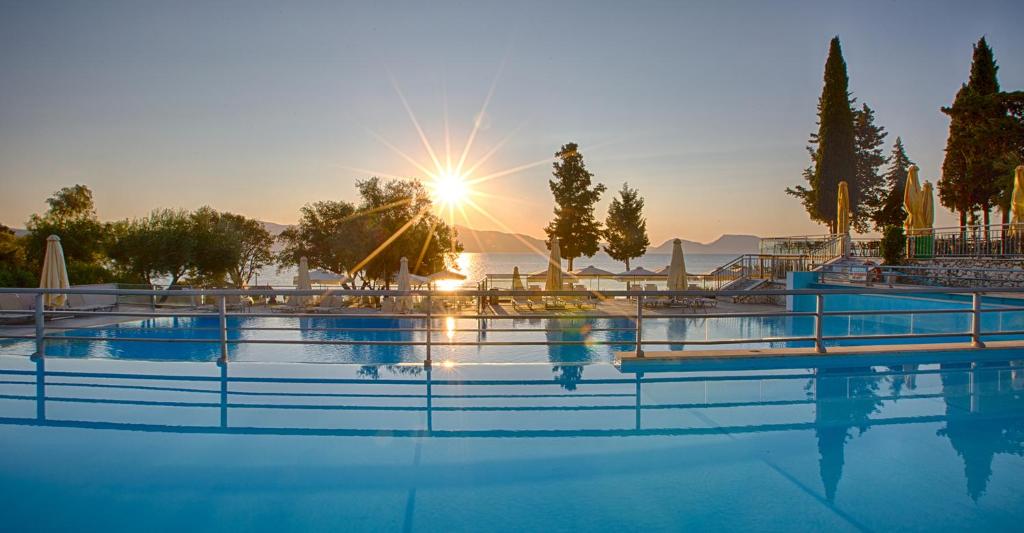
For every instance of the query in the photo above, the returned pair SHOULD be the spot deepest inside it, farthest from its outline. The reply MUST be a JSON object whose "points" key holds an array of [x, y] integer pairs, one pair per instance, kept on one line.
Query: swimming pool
{"points": [[109, 444], [510, 339]]}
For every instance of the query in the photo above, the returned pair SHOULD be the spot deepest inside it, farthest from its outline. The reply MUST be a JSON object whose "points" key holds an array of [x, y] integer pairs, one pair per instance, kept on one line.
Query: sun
{"points": [[450, 189]]}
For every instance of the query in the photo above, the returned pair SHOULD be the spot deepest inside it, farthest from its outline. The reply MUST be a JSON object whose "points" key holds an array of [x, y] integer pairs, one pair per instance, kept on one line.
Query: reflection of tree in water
{"points": [[994, 425], [329, 329], [568, 375], [677, 328], [843, 400], [373, 371], [902, 376], [147, 339], [623, 334]]}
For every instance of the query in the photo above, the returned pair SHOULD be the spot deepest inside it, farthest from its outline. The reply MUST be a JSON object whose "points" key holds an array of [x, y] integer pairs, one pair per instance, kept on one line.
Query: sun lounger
{"points": [[535, 299], [15, 309], [698, 303], [332, 303], [92, 302], [554, 303], [656, 301], [437, 306], [522, 301], [581, 300]]}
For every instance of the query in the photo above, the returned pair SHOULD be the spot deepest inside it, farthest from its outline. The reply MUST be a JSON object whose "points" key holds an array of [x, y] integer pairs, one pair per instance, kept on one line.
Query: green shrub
{"points": [[17, 276], [894, 244]]}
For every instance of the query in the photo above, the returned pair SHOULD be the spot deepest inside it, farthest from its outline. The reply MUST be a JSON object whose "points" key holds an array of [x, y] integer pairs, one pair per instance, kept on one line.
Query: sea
{"points": [[476, 266]]}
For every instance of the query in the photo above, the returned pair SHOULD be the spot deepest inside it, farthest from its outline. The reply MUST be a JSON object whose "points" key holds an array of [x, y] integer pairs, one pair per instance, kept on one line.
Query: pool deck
{"points": [[624, 307]]}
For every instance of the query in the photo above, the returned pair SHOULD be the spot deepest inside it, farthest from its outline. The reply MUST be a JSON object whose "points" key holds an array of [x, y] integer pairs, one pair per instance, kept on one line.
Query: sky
{"points": [[262, 107]]}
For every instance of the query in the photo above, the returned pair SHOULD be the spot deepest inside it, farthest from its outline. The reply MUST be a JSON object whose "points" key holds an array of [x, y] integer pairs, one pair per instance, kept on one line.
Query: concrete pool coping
{"points": [[837, 356]]}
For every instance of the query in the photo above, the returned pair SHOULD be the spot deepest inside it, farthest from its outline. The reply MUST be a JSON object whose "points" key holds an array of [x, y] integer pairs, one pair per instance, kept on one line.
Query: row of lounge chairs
{"points": [[695, 303], [332, 303], [20, 307], [536, 302]]}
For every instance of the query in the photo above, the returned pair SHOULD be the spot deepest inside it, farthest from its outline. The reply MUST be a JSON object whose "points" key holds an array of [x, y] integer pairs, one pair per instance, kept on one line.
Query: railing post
{"points": [[428, 361], [639, 325], [430, 403], [222, 311], [40, 328], [976, 321], [819, 308]]}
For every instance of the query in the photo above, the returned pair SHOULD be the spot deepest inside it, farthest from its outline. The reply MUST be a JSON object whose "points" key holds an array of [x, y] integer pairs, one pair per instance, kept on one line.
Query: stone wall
{"points": [[973, 272]]}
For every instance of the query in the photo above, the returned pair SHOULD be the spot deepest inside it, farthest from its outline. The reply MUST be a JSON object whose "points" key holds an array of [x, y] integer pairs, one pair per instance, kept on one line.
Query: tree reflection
{"points": [[844, 400], [677, 328], [361, 329], [373, 371], [902, 376], [982, 409], [569, 358]]}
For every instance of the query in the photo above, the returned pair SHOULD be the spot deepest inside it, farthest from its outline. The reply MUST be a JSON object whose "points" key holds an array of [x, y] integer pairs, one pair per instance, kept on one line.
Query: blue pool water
{"points": [[604, 336], [131, 445]]}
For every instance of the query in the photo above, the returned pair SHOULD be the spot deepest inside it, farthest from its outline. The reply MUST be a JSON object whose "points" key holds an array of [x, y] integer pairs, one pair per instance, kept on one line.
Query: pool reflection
{"points": [[977, 408]]}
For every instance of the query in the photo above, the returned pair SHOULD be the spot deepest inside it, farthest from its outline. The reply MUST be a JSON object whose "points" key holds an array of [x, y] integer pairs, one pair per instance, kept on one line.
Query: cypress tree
{"points": [[869, 183], [983, 79], [970, 177], [834, 159], [954, 190], [577, 230], [626, 228], [895, 180]]}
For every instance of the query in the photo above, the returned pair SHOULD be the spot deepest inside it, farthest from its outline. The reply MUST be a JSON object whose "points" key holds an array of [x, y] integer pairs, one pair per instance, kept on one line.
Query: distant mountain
{"points": [[477, 241], [274, 228], [480, 241], [726, 244]]}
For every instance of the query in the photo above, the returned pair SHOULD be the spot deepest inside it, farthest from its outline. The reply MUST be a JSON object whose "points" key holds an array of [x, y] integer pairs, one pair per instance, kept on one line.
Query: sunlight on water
{"points": [[449, 327], [465, 264]]}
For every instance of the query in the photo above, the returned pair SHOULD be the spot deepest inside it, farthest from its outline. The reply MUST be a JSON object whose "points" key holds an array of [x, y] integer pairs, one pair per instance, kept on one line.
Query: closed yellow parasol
{"points": [[911, 201], [553, 281], [55, 272], [843, 209], [927, 218], [1017, 203]]}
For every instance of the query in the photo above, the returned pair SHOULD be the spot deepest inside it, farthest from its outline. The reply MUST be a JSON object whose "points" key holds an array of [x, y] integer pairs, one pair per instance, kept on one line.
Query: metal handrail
{"points": [[818, 338]]}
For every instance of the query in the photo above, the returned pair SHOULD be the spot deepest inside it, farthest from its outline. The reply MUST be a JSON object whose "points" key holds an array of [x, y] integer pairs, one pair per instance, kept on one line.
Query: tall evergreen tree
{"points": [[983, 70], [868, 179], [972, 150], [834, 158], [895, 181], [626, 228], [577, 230], [953, 185]]}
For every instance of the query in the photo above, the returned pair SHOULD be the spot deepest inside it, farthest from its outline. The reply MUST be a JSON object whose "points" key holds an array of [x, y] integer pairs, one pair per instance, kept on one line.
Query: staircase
{"points": [[749, 272], [744, 284]]}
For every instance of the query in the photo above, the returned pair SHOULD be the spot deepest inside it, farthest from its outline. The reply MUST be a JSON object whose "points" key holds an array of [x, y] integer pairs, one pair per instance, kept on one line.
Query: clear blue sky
{"points": [[259, 108]]}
